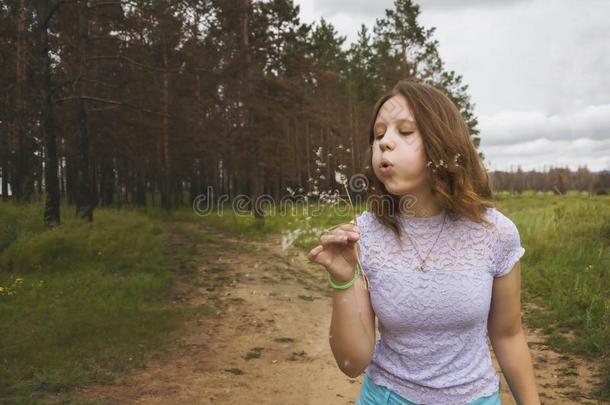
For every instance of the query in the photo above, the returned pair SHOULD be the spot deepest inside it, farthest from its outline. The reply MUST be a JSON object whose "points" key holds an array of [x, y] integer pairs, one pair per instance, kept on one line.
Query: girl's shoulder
{"points": [[493, 217], [502, 223]]}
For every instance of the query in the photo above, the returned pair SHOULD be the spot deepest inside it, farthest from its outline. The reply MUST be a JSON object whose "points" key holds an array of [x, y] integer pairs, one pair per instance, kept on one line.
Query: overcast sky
{"points": [[538, 71]]}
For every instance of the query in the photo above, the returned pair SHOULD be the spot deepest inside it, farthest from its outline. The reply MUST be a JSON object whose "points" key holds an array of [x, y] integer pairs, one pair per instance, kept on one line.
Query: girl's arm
{"points": [[508, 338], [352, 328]]}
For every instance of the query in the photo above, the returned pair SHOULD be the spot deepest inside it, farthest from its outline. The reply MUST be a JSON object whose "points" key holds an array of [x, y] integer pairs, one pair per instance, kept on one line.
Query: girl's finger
{"points": [[314, 252], [326, 240], [350, 235], [350, 227]]}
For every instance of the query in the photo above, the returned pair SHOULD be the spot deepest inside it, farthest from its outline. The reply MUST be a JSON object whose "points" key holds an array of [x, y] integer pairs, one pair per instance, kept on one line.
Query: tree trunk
{"points": [[21, 171], [308, 149], [253, 148], [84, 200], [44, 9], [166, 180], [5, 170]]}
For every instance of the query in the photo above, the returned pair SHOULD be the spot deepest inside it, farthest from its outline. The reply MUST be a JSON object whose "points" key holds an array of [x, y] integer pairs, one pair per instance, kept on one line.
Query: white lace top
{"points": [[433, 347]]}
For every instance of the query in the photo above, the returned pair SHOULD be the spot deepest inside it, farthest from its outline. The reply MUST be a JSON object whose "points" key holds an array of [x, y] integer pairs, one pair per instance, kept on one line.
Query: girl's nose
{"points": [[386, 144]]}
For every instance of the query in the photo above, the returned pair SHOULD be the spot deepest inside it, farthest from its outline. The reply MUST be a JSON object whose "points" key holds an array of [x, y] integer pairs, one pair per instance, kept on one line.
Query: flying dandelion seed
{"points": [[331, 198]]}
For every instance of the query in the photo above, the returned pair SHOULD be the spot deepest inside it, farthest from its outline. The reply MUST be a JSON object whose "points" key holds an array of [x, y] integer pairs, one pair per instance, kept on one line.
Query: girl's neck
{"points": [[421, 205]]}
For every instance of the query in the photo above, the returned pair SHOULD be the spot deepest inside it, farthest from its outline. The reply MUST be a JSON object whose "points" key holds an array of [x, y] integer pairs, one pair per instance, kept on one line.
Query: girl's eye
{"points": [[379, 136]]}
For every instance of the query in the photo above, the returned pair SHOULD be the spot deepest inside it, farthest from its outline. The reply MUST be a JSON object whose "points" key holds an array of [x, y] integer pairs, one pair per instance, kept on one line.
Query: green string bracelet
{"points": [[348, 284]]}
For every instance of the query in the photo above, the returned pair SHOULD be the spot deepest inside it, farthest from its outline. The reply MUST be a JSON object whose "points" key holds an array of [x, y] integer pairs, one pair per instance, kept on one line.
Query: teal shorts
{"points": [[373, 394]]}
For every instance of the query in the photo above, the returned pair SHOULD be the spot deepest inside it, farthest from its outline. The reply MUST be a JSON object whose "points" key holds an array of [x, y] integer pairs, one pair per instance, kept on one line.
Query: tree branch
{"points": [[117, 103]]}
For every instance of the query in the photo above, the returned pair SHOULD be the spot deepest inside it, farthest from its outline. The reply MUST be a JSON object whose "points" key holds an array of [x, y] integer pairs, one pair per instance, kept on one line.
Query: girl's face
{"points": [[399, 159]]}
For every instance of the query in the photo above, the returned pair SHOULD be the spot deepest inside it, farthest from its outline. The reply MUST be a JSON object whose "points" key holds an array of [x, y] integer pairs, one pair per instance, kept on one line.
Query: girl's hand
{"points": [[337, 252]]}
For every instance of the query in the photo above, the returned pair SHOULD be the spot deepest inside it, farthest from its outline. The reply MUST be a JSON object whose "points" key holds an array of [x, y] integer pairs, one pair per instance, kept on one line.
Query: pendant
{"points": [[421, 268]]}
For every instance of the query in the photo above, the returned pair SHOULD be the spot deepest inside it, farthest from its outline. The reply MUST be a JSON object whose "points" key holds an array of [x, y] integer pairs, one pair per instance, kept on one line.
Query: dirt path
{"points": [[262, 338]]}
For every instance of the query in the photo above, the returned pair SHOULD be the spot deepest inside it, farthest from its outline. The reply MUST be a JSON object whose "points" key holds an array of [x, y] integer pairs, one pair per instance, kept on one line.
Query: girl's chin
{"points": [[401, 188]]}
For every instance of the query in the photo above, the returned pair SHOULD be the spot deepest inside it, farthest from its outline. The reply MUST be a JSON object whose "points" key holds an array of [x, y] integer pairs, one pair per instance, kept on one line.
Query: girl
{"points": [[440, 266]]}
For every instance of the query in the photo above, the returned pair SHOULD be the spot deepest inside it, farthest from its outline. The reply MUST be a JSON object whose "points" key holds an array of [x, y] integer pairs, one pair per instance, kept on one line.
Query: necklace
{"points": [[423, 261]]}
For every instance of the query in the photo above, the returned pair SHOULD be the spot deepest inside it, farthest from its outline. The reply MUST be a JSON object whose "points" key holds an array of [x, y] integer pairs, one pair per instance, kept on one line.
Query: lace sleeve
{"points": [[508, 249]]}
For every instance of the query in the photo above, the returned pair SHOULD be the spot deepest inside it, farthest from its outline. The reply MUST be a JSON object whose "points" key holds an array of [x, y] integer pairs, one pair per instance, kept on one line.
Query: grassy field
{"points": [[566, 270], [84, 301], [80, 302]]}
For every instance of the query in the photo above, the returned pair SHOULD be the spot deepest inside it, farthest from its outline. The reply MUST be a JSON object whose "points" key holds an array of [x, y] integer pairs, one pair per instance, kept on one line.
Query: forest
{"points": [[115, 102]]}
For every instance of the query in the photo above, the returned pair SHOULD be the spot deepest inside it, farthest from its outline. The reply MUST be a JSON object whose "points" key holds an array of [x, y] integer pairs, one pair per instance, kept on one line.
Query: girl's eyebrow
{"points": [[400, 121]]}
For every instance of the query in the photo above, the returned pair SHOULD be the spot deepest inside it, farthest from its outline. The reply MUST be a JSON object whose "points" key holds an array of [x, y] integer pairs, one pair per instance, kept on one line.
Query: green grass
{"points": [[308, 222], [80, 302], [566, 270]]}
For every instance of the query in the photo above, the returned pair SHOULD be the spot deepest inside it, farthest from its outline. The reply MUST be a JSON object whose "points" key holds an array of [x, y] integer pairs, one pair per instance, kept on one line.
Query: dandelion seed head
{"points": [[340, 178]]}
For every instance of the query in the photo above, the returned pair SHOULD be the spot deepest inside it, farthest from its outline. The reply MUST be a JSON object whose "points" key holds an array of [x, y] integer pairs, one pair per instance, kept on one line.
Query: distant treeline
{"points": [[556, 180]]}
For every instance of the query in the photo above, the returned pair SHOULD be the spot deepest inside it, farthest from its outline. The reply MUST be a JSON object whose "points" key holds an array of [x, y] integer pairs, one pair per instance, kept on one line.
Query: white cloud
{"points": [[508, 127], [544, 55], [367, 8]]}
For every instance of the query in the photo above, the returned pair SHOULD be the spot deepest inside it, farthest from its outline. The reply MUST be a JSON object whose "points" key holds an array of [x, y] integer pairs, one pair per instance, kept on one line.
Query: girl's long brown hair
{"points": [[459, 178]]}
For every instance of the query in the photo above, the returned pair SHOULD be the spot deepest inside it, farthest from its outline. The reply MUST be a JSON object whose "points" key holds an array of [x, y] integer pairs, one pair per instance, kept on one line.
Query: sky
{"points": [[538, 72]]}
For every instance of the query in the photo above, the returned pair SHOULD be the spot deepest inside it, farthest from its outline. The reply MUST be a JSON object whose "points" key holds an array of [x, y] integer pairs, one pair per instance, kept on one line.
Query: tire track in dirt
{"points": [[261, 337]]}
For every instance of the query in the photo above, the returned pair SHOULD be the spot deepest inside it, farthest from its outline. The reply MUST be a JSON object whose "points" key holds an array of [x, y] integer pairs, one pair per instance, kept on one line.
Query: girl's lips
{"points": [[386, 169]]}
